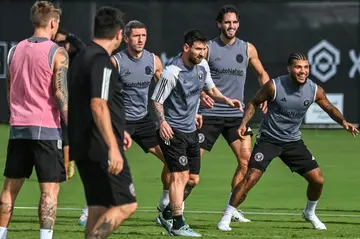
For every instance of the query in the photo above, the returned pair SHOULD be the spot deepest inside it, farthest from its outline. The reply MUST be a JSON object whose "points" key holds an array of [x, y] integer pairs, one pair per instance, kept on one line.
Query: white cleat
{"points": [[237, 216], [223, 226], [314, 220]]}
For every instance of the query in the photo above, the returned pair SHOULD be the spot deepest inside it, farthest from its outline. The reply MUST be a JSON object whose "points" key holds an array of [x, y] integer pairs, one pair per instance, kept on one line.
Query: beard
{"points": [[195, 60], [224, 33], [295, 79]]}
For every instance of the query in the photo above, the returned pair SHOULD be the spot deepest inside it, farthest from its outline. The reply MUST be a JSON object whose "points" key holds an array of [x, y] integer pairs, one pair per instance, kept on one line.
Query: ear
{"points": [[288, 69], [52, 23], [186, 47], [218, 24], [119, 35]]}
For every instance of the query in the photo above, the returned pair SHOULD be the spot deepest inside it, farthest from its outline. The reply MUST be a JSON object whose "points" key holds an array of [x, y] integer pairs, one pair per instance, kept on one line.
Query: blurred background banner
{"points": [[328, 31]]}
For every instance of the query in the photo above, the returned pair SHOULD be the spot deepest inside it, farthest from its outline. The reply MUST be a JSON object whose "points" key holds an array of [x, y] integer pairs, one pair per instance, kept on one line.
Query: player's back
{"points": [[32, 96], [287, 109], [228, 65], [86, 68], [136, 75]]}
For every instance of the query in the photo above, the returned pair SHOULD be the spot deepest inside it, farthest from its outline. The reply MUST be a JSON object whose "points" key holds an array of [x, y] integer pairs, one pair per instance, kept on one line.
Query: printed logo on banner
{"points": [[324, 58]]}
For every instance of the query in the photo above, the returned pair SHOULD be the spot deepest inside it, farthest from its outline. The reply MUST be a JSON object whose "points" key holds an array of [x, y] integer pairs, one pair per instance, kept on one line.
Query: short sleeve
{"points": [[164, 86], [100, 75], [209, 83]]}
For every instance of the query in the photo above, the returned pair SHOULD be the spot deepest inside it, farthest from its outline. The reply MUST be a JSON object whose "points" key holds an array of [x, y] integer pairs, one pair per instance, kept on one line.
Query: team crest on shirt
{"points": [[259, 157], [200, 75], [132, 190], [239, 58], [201, 137], [148, 70], [306, 103], [183, 160]]}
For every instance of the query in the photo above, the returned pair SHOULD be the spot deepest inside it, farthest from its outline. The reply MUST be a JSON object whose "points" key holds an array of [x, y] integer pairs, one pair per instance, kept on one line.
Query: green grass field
{"points": [[274, 205]]}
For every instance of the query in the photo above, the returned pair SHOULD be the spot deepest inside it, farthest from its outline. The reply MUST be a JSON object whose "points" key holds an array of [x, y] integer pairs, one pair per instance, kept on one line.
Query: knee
{"points": [[127, 210], [194, 180], [180, 177], [243, 159], [319, 180], [132, 208]]}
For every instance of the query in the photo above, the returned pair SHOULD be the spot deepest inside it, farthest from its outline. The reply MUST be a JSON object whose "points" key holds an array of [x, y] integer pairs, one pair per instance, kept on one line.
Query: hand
{"points": [[234, 104], [166, 132], [116, 161], [206, 101], [127, 140], [264, 107], [242, 131], [199, 121], [350, 128]]}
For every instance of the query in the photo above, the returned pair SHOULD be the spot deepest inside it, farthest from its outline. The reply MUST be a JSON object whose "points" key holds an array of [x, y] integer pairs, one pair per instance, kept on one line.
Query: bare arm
{"points": [[159, 110], [218, 96], [112, 58], [329, 108], [60, 69], [265, 93], [256, 65], [158, 69]]}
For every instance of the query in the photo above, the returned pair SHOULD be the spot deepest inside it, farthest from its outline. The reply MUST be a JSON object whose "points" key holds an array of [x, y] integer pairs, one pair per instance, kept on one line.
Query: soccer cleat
{"points": [[70, 170], [223, 226], [185, 231], [83, 219], [314, 220], [167, 224], [237, 216]]}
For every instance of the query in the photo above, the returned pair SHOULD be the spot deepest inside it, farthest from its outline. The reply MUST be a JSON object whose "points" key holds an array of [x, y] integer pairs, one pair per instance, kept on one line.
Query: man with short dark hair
{"points": [[96, 128], [289, 97], [176, 100]]}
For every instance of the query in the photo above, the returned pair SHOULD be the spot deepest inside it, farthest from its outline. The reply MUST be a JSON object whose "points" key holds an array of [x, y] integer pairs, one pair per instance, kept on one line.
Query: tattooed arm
{"points": [[162, 91], [60, 69], [265, 93], [332, 111]]}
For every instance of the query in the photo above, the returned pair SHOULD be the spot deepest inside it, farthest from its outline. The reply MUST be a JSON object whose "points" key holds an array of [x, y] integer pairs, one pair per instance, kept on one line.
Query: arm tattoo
{"points": [[102, 231], [47, 211], [61, 86], [249, 113], [176, 210], [159, 110], [6, 208]]}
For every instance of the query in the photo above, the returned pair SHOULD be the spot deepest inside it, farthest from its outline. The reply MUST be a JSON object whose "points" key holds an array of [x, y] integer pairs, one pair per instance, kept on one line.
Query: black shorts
{"points": [[65, 137], [182, 152], [214, 126], [143, 132], [294, 154], [45, 155], [102, 188]]}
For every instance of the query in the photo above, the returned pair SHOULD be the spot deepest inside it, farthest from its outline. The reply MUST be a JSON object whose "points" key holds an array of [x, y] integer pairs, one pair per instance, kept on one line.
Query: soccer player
{"points": [[289, 97], [176, 98], [137, 67], [96, 128], [73, 46], [229, 58], [38, 97]]}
